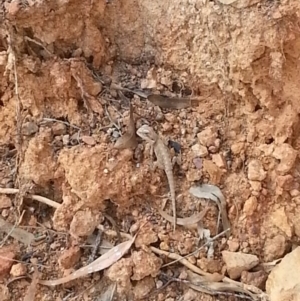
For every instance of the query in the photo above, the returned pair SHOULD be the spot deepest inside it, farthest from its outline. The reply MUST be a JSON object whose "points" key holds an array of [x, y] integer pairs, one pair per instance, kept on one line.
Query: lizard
{"points": [[163, 160]]}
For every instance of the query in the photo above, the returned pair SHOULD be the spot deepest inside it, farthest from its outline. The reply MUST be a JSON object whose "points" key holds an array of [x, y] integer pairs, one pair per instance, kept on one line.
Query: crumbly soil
{"points": [[61, 115]]}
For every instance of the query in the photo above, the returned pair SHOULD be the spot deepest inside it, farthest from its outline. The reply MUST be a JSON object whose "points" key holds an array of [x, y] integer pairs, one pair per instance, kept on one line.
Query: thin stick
{"points": [[34, 197]]}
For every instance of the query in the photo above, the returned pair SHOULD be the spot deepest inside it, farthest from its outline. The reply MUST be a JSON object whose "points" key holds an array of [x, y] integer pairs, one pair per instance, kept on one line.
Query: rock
{"points": [[280, 220], [283, 283], [237, 147], [7, 253], [285, 182], [83, 223], [29, 128], [120, 272], [88, 140], [18, 270], [145, 237], [208, 136], [275, 247], [233, 245], [256, 171], [287, 156], [39, 164], [209, 265], [215, 173], [5, 201], [4, 293], [69, 257], [59, 129], [143, 287], [145, 264], [237, 262], [257, 279], [66, 139], [200, 150], [255, 185], [219, 160], [250, 206]]}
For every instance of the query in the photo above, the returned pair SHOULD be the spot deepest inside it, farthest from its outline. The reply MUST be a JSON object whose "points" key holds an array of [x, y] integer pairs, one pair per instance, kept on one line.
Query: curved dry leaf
{"points": [[212, 192], [192, 220], [101, 263], [166, 102], [227, 1], [128, 140]]}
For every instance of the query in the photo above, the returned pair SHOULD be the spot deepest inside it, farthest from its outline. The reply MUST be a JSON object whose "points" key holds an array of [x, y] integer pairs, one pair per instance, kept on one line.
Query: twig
{"points": [[38, 43], [34, 197]]}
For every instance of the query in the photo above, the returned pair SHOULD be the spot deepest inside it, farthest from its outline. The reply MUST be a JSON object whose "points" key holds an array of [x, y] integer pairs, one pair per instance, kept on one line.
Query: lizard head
{"points": [[146, 132]]}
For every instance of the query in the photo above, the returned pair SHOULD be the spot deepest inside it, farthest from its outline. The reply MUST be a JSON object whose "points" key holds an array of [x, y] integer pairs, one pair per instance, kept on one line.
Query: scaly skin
{"points": [[163, 160]]}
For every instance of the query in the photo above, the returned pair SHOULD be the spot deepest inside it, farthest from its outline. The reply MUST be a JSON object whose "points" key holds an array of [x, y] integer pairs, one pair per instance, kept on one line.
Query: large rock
{"points": [[237, 262], [283, 283]]}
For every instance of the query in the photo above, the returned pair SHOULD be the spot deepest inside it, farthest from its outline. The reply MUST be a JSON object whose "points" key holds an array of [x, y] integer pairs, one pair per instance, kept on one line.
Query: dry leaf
{"points": [[213, 285], [192, 220], [166, 102], [17, 233], [227, 1], [213, 193], [175, 103], [101, 263], [128, 140], [109, 293]]}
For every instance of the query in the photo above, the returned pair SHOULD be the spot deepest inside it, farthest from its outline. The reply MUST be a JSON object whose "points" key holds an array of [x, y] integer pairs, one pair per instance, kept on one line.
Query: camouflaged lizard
{"points": [[163, 160]]}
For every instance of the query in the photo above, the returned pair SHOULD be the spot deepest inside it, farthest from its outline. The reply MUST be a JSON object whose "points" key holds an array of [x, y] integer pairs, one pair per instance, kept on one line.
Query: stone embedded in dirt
{"points": [[4, 293], [250, 206], [219, 160], [237, 262], [83, 223], [66, 139], [287, 156], [58, 129], [275, 247], [29, 128], [237, 147], [88, 140], [283, 283], [39, 164], [255, 185], [7, 253], [280, 220], [5, 201], [208, 136], [190, 295], [200, 150], [18, 269], [209, 265], [143, 287], [146, 237], [233, 245], [145, 264], [256, 171], [285, 182], [257, 279], [69, 257], [120, 273], [215, 173]]}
